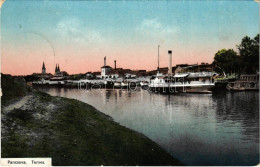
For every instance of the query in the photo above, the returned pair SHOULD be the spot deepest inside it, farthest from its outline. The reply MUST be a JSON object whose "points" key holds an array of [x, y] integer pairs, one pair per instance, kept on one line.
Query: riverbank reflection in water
{"points": [[198, 129]]}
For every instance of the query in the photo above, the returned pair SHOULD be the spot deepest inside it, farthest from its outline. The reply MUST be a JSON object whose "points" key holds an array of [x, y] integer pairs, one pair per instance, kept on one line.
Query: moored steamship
{"points": [[196, 82]]}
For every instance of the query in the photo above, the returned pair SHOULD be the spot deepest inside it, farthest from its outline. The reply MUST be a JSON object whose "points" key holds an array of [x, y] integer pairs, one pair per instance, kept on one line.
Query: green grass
{"points": [[75, 133]]}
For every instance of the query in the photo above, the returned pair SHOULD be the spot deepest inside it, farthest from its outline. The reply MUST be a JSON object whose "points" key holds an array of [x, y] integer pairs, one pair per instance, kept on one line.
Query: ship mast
{"points": [[158, 60]]}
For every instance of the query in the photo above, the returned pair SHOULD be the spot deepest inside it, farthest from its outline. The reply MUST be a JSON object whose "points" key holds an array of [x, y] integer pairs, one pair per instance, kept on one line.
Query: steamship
{"points": [[198, 82], [190, 82]]}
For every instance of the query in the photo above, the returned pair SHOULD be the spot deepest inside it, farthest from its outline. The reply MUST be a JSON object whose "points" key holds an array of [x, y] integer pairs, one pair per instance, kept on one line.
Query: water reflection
{"points": [[108, 94], [239, 109], [198, 129], [115, 96]]}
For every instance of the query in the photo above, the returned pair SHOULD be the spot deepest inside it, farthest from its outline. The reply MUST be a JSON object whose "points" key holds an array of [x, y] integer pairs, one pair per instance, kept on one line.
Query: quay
{"points": [[245, 82], [182, 78]]}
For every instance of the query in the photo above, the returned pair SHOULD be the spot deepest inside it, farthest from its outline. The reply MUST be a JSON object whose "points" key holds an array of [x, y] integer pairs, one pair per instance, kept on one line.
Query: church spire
{"points": [[43, 68], [56, 69]]}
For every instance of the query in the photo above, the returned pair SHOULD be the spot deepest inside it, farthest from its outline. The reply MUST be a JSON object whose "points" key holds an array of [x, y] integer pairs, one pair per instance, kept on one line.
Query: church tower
{"points": [[58, 68], [43, 68]]}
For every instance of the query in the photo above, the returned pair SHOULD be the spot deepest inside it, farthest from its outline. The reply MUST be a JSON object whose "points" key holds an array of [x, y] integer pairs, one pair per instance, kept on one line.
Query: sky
{"points": [[77, 35]]}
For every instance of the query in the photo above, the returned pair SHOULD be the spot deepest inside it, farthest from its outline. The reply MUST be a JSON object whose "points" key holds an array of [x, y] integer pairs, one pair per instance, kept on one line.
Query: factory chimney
{"points": [[115, 64], [170, 62], [105, 58]]}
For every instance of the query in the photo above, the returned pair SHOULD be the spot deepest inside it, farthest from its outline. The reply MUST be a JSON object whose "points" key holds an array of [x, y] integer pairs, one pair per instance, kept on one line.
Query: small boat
{"points": [[124, 84], [117, 84], [144, 83], [234, 87]]}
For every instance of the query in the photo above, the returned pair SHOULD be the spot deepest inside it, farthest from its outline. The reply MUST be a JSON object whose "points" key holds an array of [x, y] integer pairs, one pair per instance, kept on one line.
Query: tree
{"points": [[249, 52], [226, 61]]}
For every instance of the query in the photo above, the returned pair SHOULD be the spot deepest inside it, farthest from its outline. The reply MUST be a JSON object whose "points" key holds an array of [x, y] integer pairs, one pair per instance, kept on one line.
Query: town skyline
{"points": [[129, 32], [57, 65]]}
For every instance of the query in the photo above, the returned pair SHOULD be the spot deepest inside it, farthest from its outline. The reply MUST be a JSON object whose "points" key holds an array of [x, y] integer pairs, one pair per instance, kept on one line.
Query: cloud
{"points": [[72, 30], [154, 28]]}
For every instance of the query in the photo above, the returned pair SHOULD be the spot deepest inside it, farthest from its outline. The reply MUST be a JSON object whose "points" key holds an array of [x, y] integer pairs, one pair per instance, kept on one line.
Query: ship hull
{"points": [[186, 89]]}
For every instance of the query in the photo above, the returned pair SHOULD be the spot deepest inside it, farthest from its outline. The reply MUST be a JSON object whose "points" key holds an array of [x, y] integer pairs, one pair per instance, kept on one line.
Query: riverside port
{"points": [[181, 78]]}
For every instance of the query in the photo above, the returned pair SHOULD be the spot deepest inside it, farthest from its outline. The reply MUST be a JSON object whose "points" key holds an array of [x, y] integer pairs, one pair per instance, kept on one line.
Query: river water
{"points": [[198, 129]]}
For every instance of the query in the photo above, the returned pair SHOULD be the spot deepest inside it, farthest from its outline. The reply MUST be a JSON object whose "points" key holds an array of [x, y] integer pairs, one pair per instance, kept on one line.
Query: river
{"points": [[198, 129]]}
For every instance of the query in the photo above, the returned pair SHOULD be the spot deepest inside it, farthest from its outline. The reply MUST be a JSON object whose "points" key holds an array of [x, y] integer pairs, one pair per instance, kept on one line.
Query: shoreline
{"points": [[73, 133]]}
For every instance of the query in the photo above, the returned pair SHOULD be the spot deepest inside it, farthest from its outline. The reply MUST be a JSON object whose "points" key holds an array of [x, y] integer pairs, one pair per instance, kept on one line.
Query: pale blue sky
{"points": [[128, 31]]}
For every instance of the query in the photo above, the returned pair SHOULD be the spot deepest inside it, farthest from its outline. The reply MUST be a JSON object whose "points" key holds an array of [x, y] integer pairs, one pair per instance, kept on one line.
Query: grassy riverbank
{"points": [[35, 124]]}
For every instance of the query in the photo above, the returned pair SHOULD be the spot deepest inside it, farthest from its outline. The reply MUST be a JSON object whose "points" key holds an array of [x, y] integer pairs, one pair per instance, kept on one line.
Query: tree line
{"points": [[228, 61]]}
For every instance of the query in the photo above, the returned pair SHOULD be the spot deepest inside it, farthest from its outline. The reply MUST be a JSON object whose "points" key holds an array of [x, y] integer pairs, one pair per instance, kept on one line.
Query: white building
{"points": [[105, 69]]}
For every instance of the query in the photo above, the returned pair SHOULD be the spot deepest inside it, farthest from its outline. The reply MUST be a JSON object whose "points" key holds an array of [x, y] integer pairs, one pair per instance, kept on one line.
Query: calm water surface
{"points": [[198, 129]]}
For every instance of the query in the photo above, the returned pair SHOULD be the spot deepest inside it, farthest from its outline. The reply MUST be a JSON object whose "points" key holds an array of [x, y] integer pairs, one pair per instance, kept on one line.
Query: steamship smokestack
{"points": [[115, 64], [170, 62]]}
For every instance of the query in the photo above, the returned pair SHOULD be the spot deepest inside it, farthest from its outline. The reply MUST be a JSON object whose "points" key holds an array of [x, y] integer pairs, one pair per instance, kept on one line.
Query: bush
{"points": [[12, 88]]}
